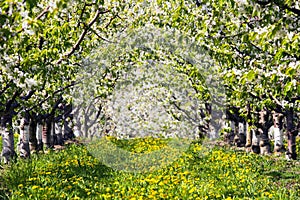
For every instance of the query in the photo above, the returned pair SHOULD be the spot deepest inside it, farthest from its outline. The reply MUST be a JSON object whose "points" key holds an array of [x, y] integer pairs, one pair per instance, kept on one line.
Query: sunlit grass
{"points": [[202, 172]]}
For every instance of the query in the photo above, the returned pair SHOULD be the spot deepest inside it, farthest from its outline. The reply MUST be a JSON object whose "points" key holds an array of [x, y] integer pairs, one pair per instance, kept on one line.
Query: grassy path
{"points": [[202, 172]]}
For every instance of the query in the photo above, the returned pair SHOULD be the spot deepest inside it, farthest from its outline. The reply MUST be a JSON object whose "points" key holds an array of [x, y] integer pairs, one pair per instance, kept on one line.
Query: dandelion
{"points": [[192, 190], [116, 183], [35, 187]]}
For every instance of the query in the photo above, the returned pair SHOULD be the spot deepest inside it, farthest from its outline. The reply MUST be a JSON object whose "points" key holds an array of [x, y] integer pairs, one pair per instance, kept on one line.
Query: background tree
{"points": [[255, 45], [41, 44]]}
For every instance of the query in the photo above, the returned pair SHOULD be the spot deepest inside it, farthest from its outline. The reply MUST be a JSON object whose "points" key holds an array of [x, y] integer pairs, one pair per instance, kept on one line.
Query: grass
{"points": [[202, 172]]}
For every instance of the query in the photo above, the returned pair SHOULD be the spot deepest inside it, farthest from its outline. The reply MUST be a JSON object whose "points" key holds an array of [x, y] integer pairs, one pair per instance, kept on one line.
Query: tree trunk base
{"points": [[279, 150], [265, 150], [291, 154], [255, 149], [7, 155], [229, 137], [60, 140], [240, 140], [24, 150], [39, 146], [248, 149]]}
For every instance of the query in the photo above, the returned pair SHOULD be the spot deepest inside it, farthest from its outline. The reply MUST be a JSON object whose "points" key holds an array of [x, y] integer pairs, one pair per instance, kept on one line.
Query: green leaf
{"points": [[251, 75], [287, 88], [290, 71]]}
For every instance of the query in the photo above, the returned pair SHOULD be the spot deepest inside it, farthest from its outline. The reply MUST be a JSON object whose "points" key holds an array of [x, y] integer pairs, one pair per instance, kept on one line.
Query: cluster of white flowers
{"points": [[141, 107], [30, 82], [151, 97], [294, 65], [241, 1], [261, 30]]}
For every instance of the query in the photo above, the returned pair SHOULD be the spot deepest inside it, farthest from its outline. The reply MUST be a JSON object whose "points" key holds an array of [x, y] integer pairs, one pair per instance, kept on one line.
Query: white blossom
{"points": [[52, 5], [290, 35], [261, 30], [25, 24], [29, 32], [30, 82], [24, 14], [241, 1], [294, 82]]}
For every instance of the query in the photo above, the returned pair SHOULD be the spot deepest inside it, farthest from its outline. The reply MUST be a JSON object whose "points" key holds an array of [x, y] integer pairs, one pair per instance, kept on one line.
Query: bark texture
{"points": [[8, 151], [265, 147], [278, 135], [23, 144], [292, 132]]}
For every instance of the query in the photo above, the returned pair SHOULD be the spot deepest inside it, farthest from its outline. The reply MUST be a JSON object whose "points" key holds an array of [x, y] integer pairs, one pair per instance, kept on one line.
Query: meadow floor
{"points": [[202, 172]]}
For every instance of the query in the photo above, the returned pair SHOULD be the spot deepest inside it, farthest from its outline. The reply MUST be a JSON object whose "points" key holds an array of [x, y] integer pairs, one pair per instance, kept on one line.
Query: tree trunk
{"points": [[255, 142], [249, 131], [23, 144], [58, 131], [53, 134], [32, 136], [241, 135], [86, 128], [291, 133], [8, 151], [67, 120], [77, 131], [232, 132], [67, 130], [39, 133], [265, 147], [236, 138], [249, 135], [46, 135], [278, 136]]}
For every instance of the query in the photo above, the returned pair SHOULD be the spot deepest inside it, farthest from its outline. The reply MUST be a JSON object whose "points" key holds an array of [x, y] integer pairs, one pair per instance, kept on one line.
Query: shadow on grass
{"points": [[281, 175], [51, 170], [81, 170], [3, 190]]}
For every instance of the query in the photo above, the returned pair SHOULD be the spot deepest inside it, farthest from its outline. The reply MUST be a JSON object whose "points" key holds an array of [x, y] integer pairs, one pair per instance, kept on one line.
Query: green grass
{"points": [[203, 172]]}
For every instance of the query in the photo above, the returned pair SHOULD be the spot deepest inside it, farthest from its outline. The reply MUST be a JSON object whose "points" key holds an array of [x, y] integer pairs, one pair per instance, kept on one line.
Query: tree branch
{"points": [[111, 19], [284, 6], [6, 87], [38, 17], [51, 96], [263, 3], [28, 96], [77, 44], [276, 100], [280, 4], [42, 13], [99, 36]]}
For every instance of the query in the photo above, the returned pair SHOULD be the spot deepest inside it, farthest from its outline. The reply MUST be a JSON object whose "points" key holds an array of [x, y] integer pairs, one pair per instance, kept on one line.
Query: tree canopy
{"points": [[253, 44]]}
